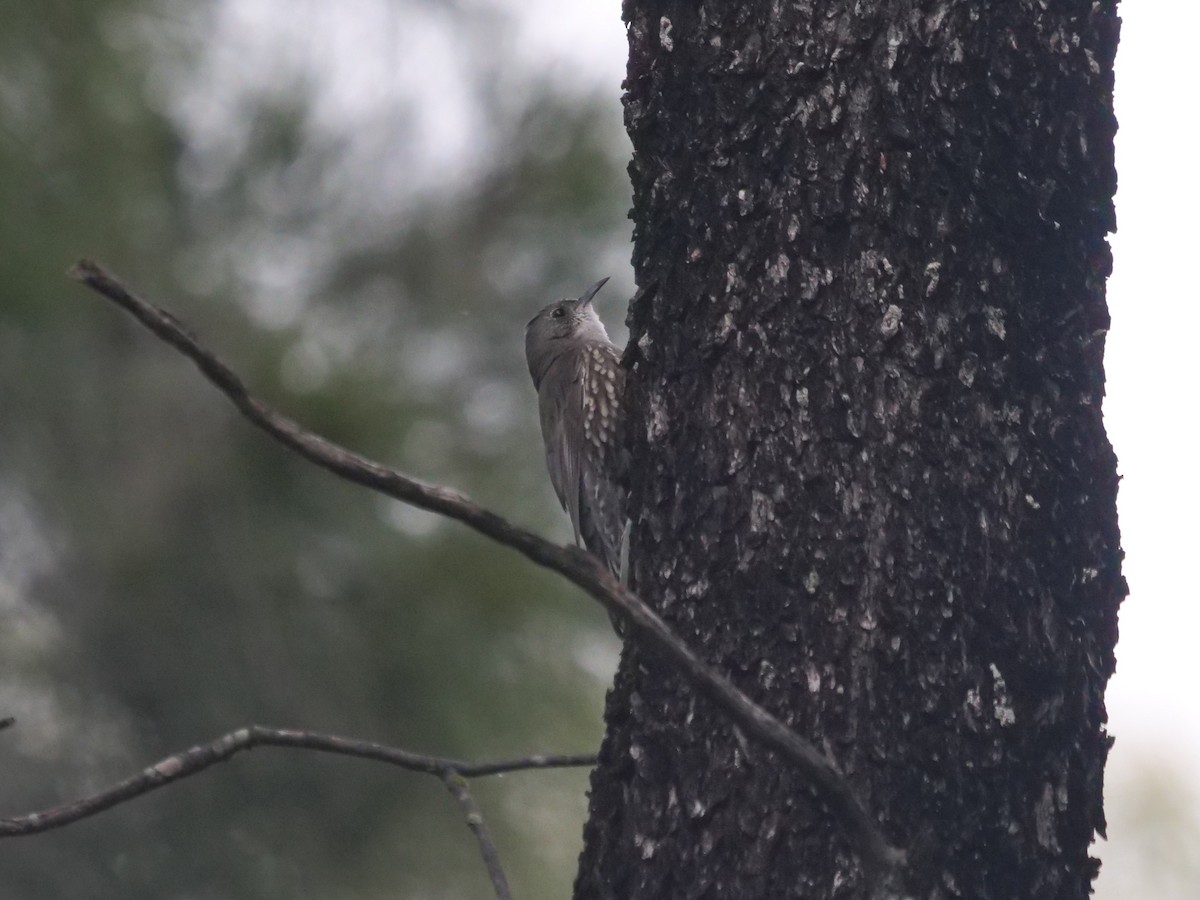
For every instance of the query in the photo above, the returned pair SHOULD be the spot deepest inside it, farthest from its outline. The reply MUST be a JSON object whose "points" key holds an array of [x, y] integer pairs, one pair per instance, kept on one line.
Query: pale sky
{"points": [[1152, 376], [1150, 412]]}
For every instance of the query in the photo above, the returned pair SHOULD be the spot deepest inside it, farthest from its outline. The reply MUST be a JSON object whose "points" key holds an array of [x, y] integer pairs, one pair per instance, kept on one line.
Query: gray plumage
{"points": [[580, 385]]}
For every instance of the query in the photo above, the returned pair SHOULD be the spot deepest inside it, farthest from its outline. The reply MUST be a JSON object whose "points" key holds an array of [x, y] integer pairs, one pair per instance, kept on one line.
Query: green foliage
{"points": [[167, 573]]}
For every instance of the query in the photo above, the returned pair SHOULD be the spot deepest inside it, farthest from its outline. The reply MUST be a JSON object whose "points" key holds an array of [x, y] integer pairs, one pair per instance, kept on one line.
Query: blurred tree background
{"points": [[358, 205]]}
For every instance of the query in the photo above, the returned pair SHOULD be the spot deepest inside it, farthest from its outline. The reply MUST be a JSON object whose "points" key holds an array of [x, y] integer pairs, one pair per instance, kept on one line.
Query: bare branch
{"points": [[457, 786], [452, 772], [197, 759], [574, 564]]}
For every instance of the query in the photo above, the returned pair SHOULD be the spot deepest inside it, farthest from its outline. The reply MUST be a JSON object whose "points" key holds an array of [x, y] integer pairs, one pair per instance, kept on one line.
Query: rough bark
{"points": [[871, 478]]}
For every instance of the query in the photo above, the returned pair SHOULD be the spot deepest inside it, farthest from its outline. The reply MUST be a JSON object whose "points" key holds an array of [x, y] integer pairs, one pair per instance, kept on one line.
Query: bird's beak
{"points": [[592, 291]]}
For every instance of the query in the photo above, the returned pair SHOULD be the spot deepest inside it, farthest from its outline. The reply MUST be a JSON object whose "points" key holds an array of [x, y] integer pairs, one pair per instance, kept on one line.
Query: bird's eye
{"points": [[558, 313]]}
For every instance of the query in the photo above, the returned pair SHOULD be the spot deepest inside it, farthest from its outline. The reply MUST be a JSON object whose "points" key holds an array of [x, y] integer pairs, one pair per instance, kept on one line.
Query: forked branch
{"points": [[453, 774]]}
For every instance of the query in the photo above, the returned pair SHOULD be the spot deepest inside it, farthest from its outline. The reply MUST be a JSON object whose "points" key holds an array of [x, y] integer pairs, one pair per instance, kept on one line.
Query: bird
{"points": [[580, 385]]}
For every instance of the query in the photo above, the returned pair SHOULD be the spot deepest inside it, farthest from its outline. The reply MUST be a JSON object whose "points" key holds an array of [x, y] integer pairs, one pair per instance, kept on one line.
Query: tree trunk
{"points": [[871, 480]]}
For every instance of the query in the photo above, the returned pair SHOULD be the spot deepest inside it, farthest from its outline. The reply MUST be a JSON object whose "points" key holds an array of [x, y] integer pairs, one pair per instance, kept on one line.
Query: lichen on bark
{"points": [[871, 480]]}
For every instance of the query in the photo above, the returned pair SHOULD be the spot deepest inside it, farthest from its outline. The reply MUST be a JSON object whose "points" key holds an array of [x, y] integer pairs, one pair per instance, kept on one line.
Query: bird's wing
{"points": [[602, 465], [561, 414]]}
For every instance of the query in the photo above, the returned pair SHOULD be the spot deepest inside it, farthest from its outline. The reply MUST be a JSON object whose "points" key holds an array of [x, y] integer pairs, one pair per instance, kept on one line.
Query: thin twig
{"points": [[197, 759], [581, 568], [456, 784]]}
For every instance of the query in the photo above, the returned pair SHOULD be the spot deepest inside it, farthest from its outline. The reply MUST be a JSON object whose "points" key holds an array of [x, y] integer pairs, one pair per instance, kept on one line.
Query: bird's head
{"points": [[560, 325]]}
